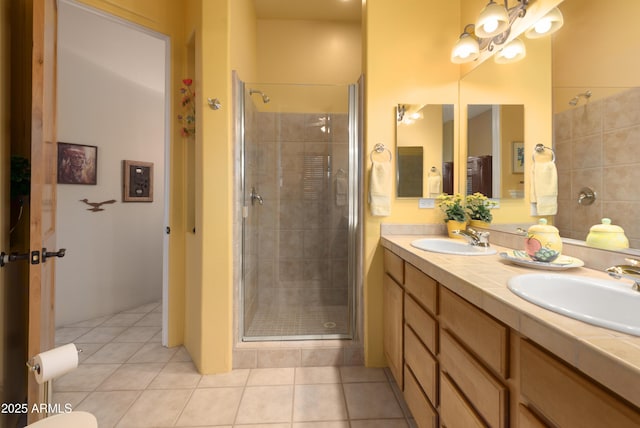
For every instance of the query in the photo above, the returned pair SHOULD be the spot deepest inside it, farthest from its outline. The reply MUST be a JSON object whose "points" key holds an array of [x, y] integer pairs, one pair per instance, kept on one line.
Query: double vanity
{"points": [[468, 347]]}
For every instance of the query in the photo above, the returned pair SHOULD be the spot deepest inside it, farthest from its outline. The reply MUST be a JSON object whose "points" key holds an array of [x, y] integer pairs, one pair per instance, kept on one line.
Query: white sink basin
{"points": [[451, 246], [611, 304]]}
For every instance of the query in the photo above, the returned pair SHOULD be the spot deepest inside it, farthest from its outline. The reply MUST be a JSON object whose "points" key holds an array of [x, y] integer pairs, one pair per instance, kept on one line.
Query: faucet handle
{"points": [[633, 262]]}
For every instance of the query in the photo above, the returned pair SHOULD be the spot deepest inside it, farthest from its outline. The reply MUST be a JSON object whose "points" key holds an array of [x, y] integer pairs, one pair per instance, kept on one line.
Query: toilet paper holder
{"points": [[35, 367]]}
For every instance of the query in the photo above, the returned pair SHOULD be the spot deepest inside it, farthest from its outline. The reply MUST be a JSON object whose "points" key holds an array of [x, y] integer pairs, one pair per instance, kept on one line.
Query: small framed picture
{"points": [[517, 160], [77, 164], [137, 181]]}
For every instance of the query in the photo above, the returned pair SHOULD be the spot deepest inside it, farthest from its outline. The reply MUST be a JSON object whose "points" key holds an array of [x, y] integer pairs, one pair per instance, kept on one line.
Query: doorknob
{"points": [[46, 254]]}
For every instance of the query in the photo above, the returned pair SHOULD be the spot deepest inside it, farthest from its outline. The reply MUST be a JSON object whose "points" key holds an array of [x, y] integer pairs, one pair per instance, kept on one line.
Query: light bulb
{"points": [[490, 26], [542, 26]]}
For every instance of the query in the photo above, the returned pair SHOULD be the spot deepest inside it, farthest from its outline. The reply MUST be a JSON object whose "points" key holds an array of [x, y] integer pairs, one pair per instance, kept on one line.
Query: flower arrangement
{"points": [[478, 207], [452, 207], [188, 118]]}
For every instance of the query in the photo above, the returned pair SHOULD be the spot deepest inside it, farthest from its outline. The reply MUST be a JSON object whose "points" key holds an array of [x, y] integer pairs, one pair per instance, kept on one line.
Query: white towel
{"points": [[544, 188], [341, 191], [380, 189], [434, 185]]}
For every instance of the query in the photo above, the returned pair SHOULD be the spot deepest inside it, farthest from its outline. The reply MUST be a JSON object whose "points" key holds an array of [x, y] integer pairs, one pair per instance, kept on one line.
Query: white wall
{"points": [[111, 80]]}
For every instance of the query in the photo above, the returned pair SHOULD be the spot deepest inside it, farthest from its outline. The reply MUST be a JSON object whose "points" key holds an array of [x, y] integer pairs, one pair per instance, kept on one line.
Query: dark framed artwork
{"points": [[137, 182], [77, 164], [517, 160]]}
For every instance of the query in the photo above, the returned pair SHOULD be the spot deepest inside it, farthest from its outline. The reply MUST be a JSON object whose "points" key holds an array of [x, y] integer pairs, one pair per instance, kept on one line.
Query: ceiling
{"points": [[318, 10]]}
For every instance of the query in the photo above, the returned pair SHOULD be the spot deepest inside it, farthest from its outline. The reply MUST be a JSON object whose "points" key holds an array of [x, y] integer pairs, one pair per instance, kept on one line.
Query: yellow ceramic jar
{"points": [[543, 242], [607, 236]]}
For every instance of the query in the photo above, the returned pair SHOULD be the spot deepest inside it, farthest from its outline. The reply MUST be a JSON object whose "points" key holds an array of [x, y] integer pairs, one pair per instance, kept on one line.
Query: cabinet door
{"points": [[393, 296], [568, 398]]}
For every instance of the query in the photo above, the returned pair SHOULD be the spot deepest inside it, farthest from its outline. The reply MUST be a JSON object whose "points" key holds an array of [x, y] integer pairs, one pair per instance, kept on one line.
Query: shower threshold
{"points": [[299, 323]]}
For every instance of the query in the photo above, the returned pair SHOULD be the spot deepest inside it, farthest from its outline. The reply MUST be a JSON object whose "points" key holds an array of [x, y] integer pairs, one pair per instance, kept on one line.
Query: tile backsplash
{"points": [[597, 146]]}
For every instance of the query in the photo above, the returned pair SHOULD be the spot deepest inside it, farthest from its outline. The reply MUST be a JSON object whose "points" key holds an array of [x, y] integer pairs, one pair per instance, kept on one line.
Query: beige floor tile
{"points": [[144, 309], [131, 377], [101, 335], [152, 319], [380, 423], [137, 334], [211, 406], [315, 375], [64, 399], [108, 407], [153, 353], [113, 353], [87, 349], [323, 424], [176, 375], [371, 400], [319, 403], [277, 376], [66, 335], [181, 355], [156, 408], [85, 378], [362, 374], [266, 404], [284, 425], [122, 320], [233, 378], [95, 322]]}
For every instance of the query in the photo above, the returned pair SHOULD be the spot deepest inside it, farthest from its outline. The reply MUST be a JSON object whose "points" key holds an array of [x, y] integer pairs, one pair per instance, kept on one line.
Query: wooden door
{"points": [[43, 191]]}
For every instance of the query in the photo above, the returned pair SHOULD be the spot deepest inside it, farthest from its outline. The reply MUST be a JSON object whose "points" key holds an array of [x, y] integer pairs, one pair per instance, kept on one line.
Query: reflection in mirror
{"points": [[495, 151], [411, 164], [596, 136], [424, 135]]}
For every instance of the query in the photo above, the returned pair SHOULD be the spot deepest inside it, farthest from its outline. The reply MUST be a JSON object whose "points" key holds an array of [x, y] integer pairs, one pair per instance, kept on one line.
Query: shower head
{"points": [[574, 101], [265, 98]]}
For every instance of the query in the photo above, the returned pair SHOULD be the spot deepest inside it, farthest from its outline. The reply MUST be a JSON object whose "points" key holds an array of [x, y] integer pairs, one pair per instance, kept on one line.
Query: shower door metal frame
{"points": [[354, 242]]}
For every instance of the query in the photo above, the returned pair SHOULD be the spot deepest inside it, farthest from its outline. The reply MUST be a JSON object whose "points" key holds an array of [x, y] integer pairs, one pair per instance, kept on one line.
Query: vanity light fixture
{"points": [[513, 51], [492, 28], [548, 24]]}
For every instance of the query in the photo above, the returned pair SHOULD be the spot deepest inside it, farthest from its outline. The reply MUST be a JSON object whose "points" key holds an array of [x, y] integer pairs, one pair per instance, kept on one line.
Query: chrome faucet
{"points": [[474, 237], [629, 271]]}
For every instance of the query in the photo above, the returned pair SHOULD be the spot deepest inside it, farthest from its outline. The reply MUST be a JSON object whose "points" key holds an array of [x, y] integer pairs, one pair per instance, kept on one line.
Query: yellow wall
{"points": [[407, 48], [166, 17], [595, 41]]}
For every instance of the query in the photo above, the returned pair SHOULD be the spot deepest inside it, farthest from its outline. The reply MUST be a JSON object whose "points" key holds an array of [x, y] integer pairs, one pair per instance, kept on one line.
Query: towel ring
{"points": [[379, 148], [540, 148]]}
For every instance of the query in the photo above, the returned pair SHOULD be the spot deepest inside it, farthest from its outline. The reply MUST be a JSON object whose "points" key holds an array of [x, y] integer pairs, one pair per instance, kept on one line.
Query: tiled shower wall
{"points": [[597, 145], [303, 224]]}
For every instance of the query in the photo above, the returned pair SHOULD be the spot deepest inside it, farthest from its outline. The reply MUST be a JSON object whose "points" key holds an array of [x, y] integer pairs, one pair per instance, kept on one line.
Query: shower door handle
{"points": [[255, 197]]}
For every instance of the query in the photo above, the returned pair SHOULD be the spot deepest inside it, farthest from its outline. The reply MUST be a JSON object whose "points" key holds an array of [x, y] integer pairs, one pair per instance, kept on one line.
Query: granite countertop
{"points": [[610, 357]]}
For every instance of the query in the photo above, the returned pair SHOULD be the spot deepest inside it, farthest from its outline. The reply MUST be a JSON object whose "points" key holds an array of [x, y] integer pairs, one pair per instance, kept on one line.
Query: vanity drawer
{"points": [[394, 266], [526, 418], [486, 393], [421, 409], [568, 398], [423, 365], [422, 323], [454, 410], [422, 287], [487, 337]]}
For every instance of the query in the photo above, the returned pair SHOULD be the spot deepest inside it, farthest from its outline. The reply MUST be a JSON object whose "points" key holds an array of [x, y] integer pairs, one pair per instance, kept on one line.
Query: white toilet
{"points": [[67, 420]]}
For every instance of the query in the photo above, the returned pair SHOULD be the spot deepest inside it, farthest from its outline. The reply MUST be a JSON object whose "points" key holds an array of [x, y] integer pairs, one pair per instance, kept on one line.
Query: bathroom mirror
{"points": [[596, 111], [495, 150], [424, 141]]}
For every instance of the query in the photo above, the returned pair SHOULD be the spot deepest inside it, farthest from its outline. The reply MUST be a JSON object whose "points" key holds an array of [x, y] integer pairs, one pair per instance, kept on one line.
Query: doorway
{"points": [[113, 103]]}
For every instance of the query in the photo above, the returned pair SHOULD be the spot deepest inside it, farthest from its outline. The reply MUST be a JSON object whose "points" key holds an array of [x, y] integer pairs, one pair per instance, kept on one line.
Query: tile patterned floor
{"points": [[126, 378], [274, 320]]}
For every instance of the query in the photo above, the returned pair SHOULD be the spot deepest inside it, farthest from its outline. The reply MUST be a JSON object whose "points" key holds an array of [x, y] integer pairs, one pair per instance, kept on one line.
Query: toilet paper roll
{"points": [[55, 362]]}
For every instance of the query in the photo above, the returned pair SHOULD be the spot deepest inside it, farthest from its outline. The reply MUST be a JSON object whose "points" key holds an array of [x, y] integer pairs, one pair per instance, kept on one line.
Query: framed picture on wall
{"points": [[137, 181], [517, 157], [77, 164]]}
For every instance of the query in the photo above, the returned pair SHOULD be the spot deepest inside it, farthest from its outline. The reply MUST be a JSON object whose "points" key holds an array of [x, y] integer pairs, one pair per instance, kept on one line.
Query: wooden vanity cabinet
{"points": [[565, 397], [393, 314]]}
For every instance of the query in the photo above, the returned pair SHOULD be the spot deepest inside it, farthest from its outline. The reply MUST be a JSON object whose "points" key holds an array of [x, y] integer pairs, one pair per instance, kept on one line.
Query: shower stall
{"points": [[298, 204]]}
